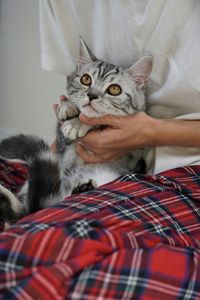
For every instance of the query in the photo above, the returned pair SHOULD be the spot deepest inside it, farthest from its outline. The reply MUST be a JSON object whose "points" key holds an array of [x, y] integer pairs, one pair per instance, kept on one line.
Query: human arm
{"points": [[124, 134]]}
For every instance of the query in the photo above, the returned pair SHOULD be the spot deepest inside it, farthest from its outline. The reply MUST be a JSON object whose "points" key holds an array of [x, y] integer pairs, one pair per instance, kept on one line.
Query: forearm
{"points": [[125, 134], [176, 133]]}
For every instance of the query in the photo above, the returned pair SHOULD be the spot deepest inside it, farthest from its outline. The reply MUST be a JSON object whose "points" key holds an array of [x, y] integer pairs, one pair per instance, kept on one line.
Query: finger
{"points": [[55, 107], [113, 121], [86, 156], [93, 139], [107, 139], [98, 157]]}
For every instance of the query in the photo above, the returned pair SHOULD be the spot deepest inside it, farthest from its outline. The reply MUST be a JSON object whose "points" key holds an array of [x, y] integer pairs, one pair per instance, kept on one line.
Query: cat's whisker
{"points": [[120, 117]]}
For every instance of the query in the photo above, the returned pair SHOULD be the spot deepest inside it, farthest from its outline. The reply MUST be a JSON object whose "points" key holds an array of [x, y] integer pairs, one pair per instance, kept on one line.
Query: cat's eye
{"points": [[86, 80], [114, 90]]}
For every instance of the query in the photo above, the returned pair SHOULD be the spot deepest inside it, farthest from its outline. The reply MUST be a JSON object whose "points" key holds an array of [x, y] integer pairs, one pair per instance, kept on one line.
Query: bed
{"points": [[137, 237]]}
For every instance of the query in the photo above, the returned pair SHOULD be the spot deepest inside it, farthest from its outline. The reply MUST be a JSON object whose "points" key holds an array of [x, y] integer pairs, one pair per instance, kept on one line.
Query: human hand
{"points": [[122, 135]]}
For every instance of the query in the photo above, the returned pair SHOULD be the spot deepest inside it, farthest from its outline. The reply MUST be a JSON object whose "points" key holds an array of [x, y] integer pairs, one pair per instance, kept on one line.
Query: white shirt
{"points": [[122, 31]]}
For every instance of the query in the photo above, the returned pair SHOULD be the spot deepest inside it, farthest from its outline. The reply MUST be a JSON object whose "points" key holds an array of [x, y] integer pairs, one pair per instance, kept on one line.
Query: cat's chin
{"points": [[90, 112]]}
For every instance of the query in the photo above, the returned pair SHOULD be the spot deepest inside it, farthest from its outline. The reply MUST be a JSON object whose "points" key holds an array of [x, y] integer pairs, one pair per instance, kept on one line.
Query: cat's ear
{"points": [[141, 70], [85, 54]]}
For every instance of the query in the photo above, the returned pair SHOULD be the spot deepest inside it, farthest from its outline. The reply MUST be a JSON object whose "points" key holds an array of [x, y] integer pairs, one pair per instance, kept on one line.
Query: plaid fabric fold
{"points": [[135, 238], [13, 175]]}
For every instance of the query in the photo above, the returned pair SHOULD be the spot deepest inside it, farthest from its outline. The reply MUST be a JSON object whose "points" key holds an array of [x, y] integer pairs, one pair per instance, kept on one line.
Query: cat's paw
{"points": [[70, 128], [73, 129], [66, 111], [85, 187], [10, 208]]}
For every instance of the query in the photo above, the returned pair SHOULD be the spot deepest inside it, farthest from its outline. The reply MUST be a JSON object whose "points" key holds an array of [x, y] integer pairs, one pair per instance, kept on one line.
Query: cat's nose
{"points": [[92, 96]]}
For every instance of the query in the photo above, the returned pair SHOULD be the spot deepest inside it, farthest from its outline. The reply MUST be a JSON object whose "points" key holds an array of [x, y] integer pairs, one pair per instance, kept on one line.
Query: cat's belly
{"points": [[100, 174], [76, 173]]}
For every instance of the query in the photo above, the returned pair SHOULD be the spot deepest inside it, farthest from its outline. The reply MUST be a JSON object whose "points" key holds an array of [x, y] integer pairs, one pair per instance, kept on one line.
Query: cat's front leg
{"points": [[73, 129], [67, 111]]}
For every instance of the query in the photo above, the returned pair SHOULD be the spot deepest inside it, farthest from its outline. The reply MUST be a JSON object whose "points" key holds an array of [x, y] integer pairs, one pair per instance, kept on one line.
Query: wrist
{"points": [[152, 131], [170, 132]]}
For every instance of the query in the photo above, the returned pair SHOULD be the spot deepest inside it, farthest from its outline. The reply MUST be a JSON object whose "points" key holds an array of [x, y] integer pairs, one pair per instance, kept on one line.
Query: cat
{"points": [[96, 88]]}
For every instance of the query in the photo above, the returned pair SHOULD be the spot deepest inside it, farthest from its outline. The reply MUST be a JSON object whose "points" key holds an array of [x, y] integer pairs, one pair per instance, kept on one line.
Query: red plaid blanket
{"points": [[135, 238]]}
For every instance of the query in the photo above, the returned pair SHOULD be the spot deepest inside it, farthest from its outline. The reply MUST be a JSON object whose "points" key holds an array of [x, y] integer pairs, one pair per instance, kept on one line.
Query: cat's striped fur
{"points": [[95, 100]]}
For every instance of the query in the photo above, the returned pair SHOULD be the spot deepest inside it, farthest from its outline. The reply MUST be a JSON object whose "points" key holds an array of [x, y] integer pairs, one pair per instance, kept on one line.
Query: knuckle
{"points": [[106, 157]]}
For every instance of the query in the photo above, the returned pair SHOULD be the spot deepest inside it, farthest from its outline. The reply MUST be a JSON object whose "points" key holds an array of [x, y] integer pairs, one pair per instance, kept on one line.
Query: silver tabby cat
{"points": [[96, 88]]}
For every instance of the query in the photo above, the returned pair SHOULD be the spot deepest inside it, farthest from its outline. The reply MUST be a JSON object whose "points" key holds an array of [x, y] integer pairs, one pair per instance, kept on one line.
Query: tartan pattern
{"points": [[13, 175], [135, 238]]}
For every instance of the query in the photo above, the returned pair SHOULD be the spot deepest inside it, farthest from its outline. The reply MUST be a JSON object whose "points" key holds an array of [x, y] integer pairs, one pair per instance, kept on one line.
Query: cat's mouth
{"points": [[90, 107]]}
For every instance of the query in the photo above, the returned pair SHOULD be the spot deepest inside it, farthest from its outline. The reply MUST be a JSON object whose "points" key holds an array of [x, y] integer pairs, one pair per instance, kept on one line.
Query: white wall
{"points": [[26, 92]]}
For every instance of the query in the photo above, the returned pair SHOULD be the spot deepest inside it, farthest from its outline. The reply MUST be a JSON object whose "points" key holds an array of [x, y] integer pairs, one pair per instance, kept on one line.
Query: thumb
{"points": [[110, 120]]}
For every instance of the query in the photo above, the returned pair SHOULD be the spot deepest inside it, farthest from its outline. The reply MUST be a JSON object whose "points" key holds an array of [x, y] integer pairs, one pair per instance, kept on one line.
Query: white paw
{"points": [[70, 128], [67, 110], [73, 129]]}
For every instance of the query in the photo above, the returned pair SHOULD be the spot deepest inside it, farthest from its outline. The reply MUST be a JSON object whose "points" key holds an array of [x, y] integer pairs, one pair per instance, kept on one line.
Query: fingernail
{"points": [[80, 142]]}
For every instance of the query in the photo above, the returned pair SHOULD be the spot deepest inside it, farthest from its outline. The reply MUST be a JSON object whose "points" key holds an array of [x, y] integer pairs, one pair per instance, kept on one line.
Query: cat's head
{"points": [[98, 88]]}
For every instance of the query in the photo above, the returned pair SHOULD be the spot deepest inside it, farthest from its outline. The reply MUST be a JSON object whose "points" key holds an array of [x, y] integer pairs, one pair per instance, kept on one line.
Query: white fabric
{"points": [[122, 31]]}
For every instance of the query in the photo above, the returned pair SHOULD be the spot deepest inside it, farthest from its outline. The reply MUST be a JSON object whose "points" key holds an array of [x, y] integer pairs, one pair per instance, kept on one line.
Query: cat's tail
{"points": [[45, 180]]}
